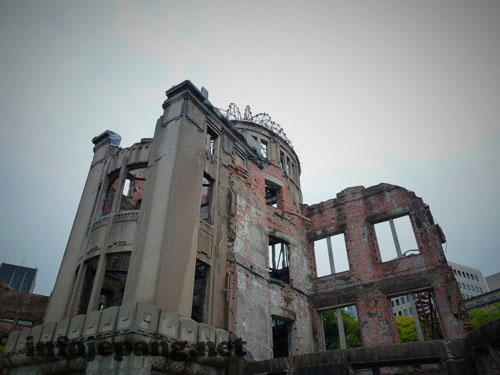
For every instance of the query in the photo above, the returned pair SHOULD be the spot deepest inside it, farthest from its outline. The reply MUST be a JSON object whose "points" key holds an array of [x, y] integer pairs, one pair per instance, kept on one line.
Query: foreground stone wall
{"points": [[86, 337], [476, 354]]}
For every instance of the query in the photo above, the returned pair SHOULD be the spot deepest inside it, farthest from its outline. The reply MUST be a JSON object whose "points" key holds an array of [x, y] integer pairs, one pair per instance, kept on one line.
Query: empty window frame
{"points": [[210, 142], [133, 189], [288, 166], [87, 284], [282, 160], [331, 255], [198, 311], [264, 149], [341, 328], [417, 320], [272, 193], [279, 266], [395, 238], [109, 196], [206, 199], [115, 277], [281, 337]]}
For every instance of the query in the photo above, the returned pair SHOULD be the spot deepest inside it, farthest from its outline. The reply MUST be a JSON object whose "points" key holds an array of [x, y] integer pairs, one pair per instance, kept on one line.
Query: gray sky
{"points": [[403, 92]]}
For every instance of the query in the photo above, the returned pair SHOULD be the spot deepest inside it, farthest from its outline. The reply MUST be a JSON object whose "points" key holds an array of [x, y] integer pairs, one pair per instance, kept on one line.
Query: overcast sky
{"points": [[403, 92]]}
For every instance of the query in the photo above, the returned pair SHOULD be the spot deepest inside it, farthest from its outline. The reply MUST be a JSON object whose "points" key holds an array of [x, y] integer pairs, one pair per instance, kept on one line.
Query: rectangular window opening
{"points": [[206, 200], [281, 339], [198, 311], [210, 140], [115, 277], [109, 196], [279, 267], [417, 318], [272, 193], [341, 328], [331, 255], [282, 160], [87, 285], [395, 238], [263, 148], [133, 189]]}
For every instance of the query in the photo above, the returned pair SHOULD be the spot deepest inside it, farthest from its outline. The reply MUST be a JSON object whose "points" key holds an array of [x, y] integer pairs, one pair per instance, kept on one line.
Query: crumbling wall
{"points": [[256, 296], [22, 306], [369, 281]]}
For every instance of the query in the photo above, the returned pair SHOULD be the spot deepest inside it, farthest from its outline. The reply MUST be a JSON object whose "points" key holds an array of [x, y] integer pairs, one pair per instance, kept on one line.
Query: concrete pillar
{"points": [[163, 263], [105, 145]]}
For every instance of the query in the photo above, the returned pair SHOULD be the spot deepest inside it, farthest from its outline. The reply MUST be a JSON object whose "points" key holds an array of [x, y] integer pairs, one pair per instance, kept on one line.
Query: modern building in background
{"points": [[470, 282], [19, 278], [493, 281]]}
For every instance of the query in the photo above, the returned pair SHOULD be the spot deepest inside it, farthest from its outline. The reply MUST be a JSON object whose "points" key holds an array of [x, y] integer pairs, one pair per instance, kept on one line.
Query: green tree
{"points": [[351, 329], [406, 328], [480, 316]]}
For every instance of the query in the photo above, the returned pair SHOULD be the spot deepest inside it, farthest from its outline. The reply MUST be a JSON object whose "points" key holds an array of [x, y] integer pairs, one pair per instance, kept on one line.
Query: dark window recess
{"points": [[282, 160], [272, 192], [114, 281], [108, 198], [133, 189], [280, 338], [278, 259], [200, 291], [210, 139], [206, 200], [88, 283]]}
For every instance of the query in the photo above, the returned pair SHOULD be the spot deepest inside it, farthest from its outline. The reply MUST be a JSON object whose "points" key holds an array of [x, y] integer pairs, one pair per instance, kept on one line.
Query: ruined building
{"points": [[200, 233]]}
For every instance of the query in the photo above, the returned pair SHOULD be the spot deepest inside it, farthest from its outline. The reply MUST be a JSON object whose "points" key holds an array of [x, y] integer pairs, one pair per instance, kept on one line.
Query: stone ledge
{"points": [[132, 322]]}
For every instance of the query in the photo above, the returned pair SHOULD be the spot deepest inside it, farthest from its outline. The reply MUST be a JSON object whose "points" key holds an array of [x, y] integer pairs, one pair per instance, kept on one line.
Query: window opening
{"points": [[278, 259], [395, 238], [272, 192], [341, 328], [281, 343], [417, 318], [288, 166], [210, 139], [87, 285], [263, 148], [115, 277], [198, 311], [282, 160], [331, 255], [109, 196], [206, 199], [133, 189]]}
